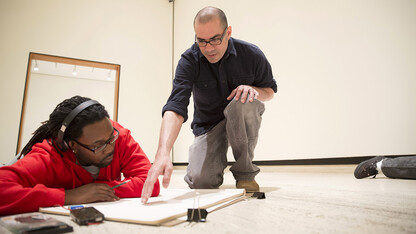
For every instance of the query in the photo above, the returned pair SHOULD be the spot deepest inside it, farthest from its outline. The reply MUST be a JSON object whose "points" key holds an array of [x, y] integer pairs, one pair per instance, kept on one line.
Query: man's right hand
{"points": [[92, 192], [161, 166], [169, 131]]}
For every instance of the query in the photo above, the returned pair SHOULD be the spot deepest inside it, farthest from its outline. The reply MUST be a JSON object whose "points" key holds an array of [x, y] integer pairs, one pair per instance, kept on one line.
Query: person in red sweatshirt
{"points": [[74, 163]]}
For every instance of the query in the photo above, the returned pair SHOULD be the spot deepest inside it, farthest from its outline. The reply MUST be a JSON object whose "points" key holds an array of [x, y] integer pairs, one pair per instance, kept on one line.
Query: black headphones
{"points": [[60, 140]]}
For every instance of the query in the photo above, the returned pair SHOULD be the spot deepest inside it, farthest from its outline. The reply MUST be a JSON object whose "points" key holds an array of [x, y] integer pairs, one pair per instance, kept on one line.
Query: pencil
{"points": [[120, 184]]}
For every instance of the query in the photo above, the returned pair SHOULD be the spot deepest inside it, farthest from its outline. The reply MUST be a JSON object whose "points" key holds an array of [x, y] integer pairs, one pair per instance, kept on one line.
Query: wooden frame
{"points": [[64, 60]]}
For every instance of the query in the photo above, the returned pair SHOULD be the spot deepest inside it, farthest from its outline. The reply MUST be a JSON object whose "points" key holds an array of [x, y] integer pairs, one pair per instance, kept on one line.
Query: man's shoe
{"points": [[251, 186], [367, 168]]}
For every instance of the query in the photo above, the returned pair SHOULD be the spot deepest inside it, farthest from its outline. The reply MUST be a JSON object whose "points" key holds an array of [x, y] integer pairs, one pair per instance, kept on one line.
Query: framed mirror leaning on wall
{"points": [[51, 79]]}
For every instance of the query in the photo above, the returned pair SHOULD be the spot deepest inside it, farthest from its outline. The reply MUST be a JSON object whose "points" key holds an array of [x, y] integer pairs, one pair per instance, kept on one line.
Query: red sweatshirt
{"points": [[42, 176]]}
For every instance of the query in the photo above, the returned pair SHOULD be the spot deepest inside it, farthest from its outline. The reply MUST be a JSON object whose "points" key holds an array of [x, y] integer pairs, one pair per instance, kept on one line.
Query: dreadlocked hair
{"points": [[50, 128]]}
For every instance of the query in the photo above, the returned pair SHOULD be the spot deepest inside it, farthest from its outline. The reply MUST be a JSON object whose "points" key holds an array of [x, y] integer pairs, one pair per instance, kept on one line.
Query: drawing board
{"points": [[169, 205]]}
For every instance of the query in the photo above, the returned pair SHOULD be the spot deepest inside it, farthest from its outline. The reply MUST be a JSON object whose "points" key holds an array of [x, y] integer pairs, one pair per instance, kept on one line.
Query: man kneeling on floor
{"points": [[75, 157], [229, 80]]}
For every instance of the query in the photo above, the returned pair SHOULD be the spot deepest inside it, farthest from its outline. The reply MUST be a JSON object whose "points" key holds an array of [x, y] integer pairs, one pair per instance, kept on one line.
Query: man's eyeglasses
{"points": [[214, 41], [98, 149]]}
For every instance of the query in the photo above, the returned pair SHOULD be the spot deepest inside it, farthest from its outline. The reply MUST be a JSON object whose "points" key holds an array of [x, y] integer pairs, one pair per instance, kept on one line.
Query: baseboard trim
{"points": [[314, 161]]}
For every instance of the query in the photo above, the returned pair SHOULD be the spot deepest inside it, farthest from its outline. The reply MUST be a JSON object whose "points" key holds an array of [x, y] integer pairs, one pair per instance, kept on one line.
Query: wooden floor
{"points": [[299, 199]]}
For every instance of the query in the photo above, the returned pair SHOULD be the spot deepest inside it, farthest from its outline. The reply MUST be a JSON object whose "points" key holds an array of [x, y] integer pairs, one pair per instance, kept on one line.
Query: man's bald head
{"points": [[208, 14]]}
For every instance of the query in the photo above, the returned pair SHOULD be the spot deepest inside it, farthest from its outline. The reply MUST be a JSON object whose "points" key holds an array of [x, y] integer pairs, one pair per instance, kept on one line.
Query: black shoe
{"points": [[367, 168]]}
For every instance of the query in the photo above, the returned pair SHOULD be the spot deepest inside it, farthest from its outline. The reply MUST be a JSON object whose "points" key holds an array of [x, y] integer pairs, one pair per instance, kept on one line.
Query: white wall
{"points": [[345, 70], [137, 34]]}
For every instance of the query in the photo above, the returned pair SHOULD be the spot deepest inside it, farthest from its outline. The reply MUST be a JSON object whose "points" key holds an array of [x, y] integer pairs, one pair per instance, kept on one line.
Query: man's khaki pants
{"points": [[208, 153]]}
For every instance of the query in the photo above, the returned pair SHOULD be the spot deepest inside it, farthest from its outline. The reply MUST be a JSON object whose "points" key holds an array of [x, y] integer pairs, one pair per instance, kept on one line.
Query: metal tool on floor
{"points": [[259, 195], [197, 214]]}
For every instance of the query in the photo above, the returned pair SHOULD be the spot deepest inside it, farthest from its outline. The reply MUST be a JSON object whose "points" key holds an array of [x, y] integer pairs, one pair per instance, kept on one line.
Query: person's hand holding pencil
{"points": [[92, 192]]}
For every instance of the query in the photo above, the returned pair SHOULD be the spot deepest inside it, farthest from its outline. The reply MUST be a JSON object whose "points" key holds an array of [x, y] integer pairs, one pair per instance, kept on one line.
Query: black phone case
{"points": [[84, 216]]}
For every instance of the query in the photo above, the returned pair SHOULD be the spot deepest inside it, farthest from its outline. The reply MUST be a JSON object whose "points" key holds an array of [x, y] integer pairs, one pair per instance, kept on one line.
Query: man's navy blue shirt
{"points": [[211, 83]]}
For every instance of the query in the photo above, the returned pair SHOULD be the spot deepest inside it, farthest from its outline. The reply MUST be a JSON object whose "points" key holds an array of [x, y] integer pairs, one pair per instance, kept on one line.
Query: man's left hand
{"points": [[242, 92]]}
